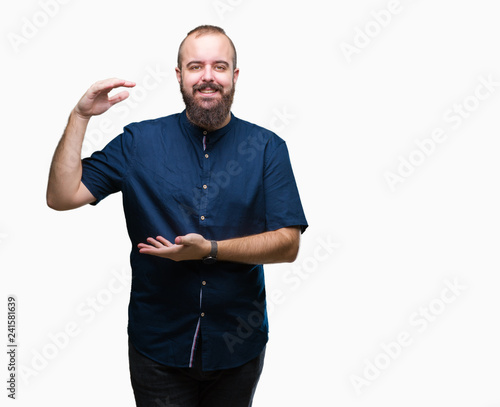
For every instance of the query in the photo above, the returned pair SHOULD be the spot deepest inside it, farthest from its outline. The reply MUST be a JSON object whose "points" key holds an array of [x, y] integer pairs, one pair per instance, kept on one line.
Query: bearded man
{"points": [[208, 199]]}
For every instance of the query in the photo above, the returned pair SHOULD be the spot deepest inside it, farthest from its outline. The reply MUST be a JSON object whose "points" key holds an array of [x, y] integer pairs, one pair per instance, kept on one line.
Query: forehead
{"points": [[206, 48]]}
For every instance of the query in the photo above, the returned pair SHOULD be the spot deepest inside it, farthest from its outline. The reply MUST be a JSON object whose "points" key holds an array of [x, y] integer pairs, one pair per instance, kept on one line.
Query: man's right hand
{"points": [[65, 189], [96, 100]]}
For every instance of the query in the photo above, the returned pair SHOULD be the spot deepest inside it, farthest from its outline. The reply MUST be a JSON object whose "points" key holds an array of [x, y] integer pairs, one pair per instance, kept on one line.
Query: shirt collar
{"points": [[199, 132]]}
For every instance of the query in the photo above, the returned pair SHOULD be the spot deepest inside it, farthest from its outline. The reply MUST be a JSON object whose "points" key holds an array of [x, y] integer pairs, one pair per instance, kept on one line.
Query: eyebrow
{"points": [[201, 62]]}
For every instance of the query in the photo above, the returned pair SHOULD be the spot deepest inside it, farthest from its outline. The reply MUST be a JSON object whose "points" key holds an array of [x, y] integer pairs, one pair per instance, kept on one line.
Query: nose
{"points": [[208, 75]]}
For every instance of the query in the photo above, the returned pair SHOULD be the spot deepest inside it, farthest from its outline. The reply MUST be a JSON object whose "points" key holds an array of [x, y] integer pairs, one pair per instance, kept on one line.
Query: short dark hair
{"points": [[204, 30]]}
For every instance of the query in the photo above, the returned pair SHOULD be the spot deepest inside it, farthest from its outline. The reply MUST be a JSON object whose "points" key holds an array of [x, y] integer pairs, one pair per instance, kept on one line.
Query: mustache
{"points": [[203, 86]]}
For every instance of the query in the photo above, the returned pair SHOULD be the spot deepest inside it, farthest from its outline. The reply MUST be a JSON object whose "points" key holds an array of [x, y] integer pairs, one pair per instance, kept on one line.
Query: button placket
{"points": [[205, 178]]}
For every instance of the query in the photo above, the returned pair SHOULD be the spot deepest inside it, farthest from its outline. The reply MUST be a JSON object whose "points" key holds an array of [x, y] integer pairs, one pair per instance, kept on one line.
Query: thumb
{"points": [[118, 97], [182, 240]]}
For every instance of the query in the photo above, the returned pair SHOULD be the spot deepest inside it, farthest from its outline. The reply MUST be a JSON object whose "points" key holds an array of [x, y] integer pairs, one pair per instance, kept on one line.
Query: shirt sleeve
{"points": [[283, 205], [103, 172]]}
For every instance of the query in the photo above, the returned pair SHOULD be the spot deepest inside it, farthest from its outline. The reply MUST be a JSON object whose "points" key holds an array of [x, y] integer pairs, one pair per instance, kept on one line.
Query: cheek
{"points": [[225, 81], [187, 83], [189, 80]]}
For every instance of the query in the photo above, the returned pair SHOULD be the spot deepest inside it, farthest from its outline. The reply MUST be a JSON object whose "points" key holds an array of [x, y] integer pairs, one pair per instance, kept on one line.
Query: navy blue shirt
{"points": [[176, 179]]}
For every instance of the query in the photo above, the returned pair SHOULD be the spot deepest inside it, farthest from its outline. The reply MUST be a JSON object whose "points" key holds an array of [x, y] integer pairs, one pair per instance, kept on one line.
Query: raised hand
{"points": [[97, 101]]}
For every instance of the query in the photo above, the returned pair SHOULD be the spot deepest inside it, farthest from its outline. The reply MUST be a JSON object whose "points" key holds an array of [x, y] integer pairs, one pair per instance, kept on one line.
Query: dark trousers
{"points": [[157, 385]]}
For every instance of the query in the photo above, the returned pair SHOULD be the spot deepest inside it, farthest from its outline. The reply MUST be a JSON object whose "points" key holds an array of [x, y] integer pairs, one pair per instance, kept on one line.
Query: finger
{"points": [[109, 84], [164, 241], [145, 246], [155, 243], [119, 97], [148, 251], [114, 83], [129, 84]]}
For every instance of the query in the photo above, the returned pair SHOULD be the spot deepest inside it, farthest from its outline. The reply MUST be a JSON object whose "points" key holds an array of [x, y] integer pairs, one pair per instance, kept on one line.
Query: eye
{"points": [[194, 67], [220, 67]]}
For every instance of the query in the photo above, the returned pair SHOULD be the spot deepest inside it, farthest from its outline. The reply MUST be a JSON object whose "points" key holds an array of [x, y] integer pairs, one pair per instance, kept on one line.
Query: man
{"points": [[219, 197]]}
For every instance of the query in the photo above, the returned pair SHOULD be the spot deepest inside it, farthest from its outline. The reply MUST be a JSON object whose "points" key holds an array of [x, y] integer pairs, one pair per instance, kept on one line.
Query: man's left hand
{"points": [[189, 247]]}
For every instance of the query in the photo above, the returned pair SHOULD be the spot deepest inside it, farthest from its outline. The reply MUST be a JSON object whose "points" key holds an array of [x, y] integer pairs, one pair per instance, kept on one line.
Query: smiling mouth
{"points": [[207, 91]]}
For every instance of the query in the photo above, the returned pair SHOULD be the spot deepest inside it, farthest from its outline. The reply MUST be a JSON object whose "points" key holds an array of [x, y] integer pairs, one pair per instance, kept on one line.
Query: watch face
{"points": [[209, 260]]}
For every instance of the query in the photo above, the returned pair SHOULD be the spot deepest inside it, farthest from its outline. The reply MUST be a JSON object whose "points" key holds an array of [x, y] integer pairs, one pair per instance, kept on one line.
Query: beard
{"points": [[208, 113]]}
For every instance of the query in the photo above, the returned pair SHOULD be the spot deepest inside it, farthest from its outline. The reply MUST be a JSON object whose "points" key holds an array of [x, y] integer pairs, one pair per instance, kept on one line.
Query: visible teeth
{"points": [[207, 91]]}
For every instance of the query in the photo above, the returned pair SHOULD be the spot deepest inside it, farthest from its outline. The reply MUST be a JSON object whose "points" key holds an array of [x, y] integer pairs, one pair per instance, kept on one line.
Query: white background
{"points": [[348, 118]]}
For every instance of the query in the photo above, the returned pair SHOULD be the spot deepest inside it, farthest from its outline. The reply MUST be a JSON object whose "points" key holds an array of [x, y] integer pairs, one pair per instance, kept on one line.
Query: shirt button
{"points": [[204, 283], [205, 187], [202, 314], [202, 217], [206, 156]]}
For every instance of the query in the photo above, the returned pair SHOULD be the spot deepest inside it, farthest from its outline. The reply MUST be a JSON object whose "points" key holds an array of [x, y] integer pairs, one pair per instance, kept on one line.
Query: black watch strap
{"points": [[212, 257]]}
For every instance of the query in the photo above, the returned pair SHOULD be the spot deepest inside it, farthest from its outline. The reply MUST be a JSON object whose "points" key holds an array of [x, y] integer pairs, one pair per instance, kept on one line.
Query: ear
{"points": [[236, 74], [178, 74]]}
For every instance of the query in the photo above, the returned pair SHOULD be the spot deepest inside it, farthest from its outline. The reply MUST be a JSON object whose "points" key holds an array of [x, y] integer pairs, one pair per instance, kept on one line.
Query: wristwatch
{"points": [[212, 257]]}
